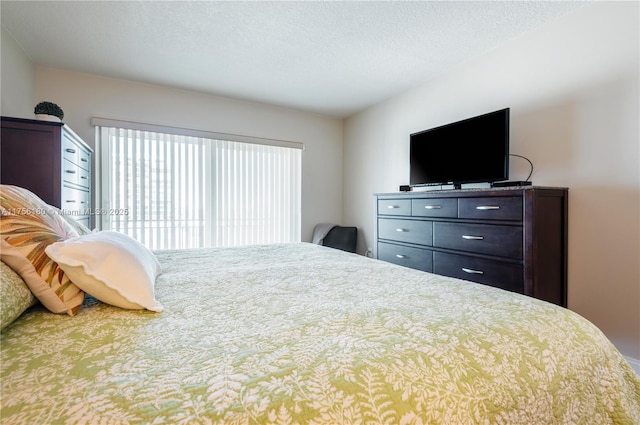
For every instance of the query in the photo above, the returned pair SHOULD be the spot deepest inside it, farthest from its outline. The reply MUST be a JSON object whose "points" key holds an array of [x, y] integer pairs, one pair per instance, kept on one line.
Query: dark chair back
{"points": [[343, 238]]}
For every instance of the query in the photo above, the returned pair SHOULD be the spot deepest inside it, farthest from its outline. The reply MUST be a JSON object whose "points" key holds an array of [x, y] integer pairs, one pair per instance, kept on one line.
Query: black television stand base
{"points": [[510, 184]]}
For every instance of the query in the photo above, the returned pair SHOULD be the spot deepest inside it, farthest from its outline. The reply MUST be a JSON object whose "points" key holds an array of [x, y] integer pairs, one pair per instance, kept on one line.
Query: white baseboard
{"points": [[635, 364]]}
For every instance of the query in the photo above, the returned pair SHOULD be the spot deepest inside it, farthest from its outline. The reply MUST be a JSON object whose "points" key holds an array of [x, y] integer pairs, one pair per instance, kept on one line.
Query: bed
{"points": [[306, 334]]}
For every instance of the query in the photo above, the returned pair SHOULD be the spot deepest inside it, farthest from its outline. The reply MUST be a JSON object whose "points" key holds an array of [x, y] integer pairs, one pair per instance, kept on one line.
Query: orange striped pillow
{"points": [[28, 225]]}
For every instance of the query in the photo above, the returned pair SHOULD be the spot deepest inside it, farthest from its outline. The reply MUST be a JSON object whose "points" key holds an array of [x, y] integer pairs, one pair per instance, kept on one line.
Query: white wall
{"points": [[83, 96], [573, 91], [18, 80]]}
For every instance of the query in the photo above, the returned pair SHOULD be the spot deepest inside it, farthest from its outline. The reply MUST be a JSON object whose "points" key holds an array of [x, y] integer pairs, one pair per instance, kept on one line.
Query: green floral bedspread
{"points": [[302, 334]]}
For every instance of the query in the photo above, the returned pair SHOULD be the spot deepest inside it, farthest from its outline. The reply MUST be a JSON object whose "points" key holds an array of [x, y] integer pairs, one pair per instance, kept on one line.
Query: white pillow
{"points": [[110, 266]]}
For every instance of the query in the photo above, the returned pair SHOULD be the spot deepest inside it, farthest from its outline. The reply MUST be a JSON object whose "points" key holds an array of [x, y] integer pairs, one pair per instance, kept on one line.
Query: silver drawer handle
{"points": [[471, 271], [401, 230], [487, 207], [83, 177], [392, 206], [70, 201], [401, 256], [472, 238], [70, 171], [70, 150], [433, 207], [83, 159]]}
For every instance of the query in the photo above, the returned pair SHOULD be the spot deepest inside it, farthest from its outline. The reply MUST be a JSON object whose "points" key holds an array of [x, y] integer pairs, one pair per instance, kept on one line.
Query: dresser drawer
{"points": [[412, 231], [494, 208], [84, 220], [84, 160], [70, 150], [416, 258], [502, 241], [83, 178], [436, 207], [489, 272], [76, 200], [394, 206], [74, 153], [72, 173]]}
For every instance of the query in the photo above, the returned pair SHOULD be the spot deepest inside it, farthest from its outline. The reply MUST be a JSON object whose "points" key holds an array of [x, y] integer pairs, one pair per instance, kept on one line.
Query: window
{"points": [[172, 191]]}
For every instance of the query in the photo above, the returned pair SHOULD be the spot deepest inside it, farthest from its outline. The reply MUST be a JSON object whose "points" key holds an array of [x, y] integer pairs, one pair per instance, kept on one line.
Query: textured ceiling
{"points": [[331, 57]]}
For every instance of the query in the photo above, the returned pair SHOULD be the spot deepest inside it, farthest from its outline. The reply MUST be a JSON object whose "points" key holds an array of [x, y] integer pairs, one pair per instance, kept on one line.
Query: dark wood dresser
{"points": [[50, 160], [511, 238]]}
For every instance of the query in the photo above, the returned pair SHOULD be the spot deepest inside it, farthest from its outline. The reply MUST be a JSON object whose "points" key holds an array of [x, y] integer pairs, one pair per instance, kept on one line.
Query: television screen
{"points": [[469, 151]]}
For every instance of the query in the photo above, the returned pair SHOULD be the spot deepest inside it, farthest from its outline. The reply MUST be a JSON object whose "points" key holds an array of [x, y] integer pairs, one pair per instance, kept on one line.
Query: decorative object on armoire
{"points": [[48, 111]]}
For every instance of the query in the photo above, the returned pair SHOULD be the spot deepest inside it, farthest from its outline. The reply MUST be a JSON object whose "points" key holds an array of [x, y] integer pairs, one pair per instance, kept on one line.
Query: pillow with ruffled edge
{"points": [[112, 267], [27, 226], [15, 296]]}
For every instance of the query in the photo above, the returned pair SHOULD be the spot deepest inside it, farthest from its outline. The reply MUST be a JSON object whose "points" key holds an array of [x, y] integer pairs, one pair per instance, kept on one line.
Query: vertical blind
{"points": [[172, 191]]}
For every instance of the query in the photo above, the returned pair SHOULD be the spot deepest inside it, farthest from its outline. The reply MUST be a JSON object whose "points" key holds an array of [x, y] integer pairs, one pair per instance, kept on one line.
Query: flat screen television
{"points": [[473, 150]]}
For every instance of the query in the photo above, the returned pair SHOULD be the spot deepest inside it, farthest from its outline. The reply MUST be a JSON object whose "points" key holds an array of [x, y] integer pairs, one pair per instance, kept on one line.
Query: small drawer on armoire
{"points": [[70, 151], [74, 153], [84, 220], [75, 200], [74, 174], [489, 272], [494, 208], [84, 160], [415, 258], [412, 231], [394, 207], [83, 178]]}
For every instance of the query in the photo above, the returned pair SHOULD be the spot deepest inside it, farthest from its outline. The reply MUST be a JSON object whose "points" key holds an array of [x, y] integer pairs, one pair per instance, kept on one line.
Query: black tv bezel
{"points": [[458, 183]]}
